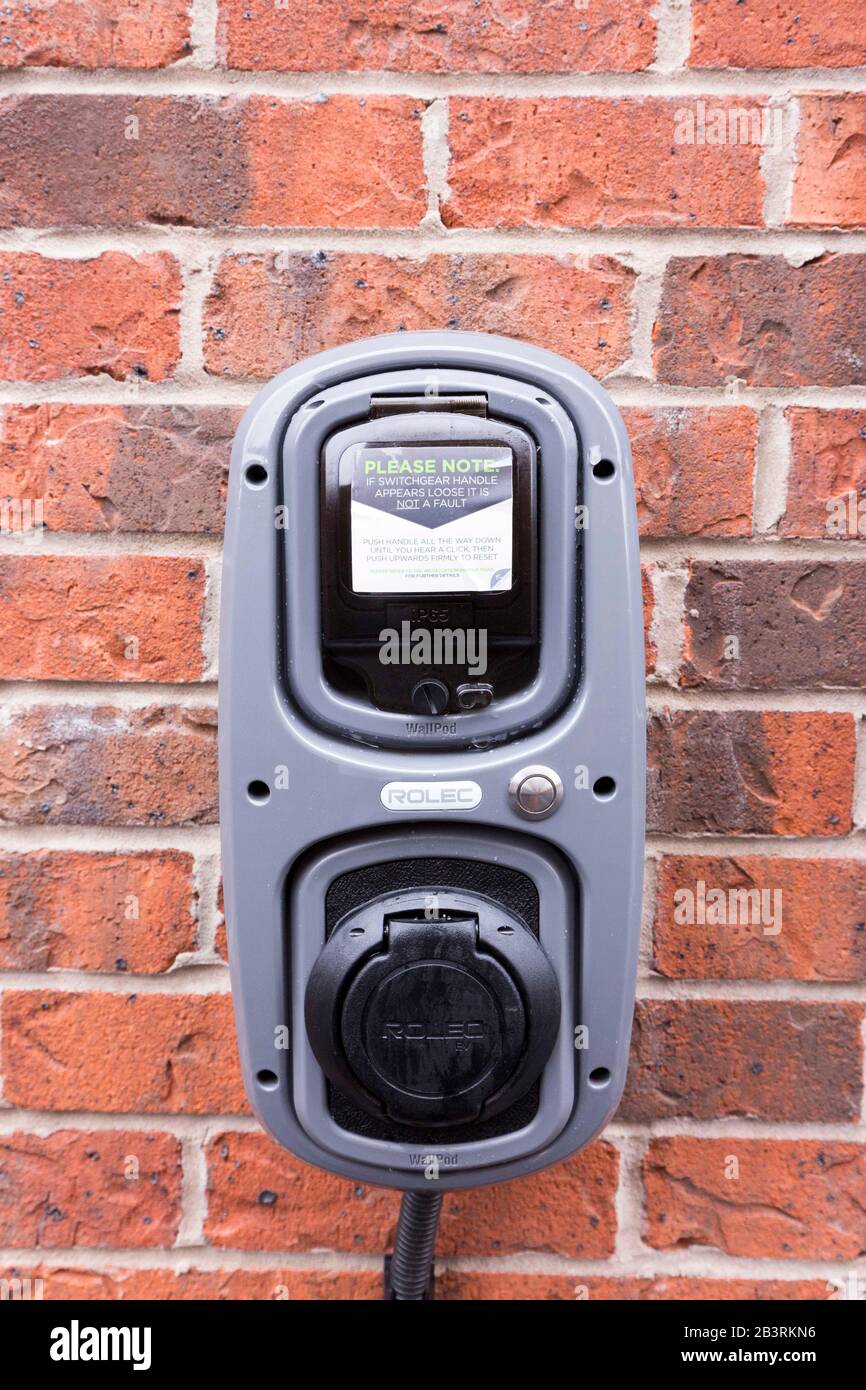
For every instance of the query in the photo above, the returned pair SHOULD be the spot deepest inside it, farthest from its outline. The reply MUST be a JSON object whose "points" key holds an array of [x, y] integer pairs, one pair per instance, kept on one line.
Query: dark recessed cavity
{"points": [[603, 470], [256, 475], [259, 792], [604, 788]]}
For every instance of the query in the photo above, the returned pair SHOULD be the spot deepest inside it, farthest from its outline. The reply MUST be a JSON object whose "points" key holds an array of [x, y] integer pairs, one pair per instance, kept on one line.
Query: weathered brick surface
{"points": [[261, 1198], [777, 34], [90, 161], [262, 1285], [68, 765], [588, 162], [94, 33], [71, 910], [59, 1284], [109, 1188], [647, 590], [707, 1059], [808, 922], [773, 625], [747, 772], [801, 1199], [221, 944], [425, 36], [760, 320], [124, 618], [119, 468], [827, 478], [158, 1054], [113, 314], [830, 178], [564, 1210], [490, 1286], [265, 312], [694, 469]]}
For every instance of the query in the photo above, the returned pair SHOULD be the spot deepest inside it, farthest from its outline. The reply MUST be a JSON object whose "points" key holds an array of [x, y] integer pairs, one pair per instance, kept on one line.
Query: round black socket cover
{"points": [[432, 1019], [434, 1029], [433, 1038]]}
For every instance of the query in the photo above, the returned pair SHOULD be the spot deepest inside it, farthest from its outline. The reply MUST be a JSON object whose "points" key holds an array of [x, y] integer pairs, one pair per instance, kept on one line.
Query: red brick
{"points": [[265, 312], [803, 1199], [68, 910], [148, 1285], [822, 919], [71, 765], [339, 161], [343, 161], [830, 175], [463, 1285], [101, 618], [749, 772], [259, 1197], [423, 36], [763, 321], [113, 314], [94, 33], [111, 1188], [647, 590], [221, 944], [694, 469], [777, 34], [707, 1059], [593, 162], [119, 468], [564, 1210], [827, 478], [163, 1054], [798, 625], [468, 1284]]}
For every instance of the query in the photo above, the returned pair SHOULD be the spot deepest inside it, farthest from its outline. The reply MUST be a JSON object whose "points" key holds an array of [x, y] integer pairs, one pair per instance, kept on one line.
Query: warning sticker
{"points": [[430, 518]]}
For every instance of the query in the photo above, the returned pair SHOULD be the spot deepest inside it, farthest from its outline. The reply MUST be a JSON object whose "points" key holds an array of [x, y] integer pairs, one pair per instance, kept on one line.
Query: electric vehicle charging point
{"points": [[432, 763]]}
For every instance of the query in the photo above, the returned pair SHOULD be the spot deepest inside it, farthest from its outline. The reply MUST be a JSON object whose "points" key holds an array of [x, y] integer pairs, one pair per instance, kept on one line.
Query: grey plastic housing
{"points": [[324, 762]]}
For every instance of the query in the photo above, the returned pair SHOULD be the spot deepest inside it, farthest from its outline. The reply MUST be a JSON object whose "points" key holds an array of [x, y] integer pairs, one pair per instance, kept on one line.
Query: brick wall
{"points": [[192, 199]]}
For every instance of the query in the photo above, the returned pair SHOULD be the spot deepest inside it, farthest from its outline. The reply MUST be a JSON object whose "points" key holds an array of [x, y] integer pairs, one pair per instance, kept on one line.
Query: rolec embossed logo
{"points": [[426, 1032], [430, 796]]}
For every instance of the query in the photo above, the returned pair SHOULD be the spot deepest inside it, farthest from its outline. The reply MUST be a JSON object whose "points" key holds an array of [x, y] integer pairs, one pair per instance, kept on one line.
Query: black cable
{"points": [[411, 1265]]}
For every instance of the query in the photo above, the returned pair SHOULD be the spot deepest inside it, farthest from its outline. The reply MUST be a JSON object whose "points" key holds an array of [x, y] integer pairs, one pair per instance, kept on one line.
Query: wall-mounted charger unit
{"points": [[432, 760]]}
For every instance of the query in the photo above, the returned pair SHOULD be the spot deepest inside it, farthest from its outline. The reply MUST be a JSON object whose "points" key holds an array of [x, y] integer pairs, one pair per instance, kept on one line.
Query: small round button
{"points": [[430, 697], [535, 792], [536, 795]]}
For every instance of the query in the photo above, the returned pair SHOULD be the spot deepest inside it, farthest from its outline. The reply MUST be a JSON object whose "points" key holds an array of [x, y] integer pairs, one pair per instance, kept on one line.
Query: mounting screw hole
{"points": [[604, 788], [268, 1080], [258, 792], [599, 1076], [256, 475], [603, 470]]}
